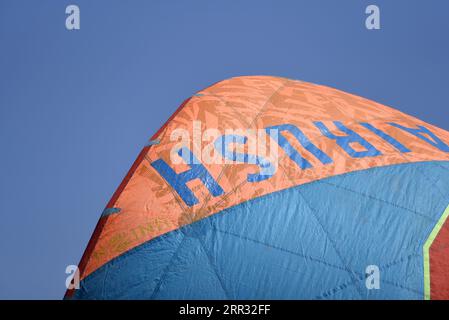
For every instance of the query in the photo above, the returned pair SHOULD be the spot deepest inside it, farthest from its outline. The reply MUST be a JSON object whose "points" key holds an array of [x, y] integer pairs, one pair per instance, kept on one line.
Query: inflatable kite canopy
{"points": [[268, 188]]}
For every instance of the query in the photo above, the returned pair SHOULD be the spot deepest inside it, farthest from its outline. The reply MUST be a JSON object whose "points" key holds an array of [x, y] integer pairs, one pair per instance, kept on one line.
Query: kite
{"points": [[263, 187]]}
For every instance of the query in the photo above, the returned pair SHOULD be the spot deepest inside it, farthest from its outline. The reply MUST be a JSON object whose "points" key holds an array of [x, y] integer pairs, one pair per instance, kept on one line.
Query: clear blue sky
{"points": [[76, 107]]}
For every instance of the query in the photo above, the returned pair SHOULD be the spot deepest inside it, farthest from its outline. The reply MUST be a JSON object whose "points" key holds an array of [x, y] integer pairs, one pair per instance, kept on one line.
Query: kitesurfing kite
{"points": [[353, 204]]}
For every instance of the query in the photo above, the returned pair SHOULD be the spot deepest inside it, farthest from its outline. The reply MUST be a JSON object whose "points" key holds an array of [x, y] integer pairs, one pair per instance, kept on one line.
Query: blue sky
{"points": [[76, 107]]}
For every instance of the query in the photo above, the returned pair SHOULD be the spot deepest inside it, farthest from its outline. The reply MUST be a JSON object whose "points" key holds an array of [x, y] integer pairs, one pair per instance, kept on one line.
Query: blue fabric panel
{"points": [[133, 275], [313, 241], [187, 270]]}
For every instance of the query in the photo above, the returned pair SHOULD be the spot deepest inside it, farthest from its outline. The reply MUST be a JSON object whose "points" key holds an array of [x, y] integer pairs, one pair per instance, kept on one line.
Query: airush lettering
{"points": [[346, 141], [303, 140], [421, 133], [260, 148], [223, 145], [179, 180]]}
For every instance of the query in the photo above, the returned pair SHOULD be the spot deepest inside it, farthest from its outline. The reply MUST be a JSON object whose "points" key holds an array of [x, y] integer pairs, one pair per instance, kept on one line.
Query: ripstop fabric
{"points": [[354, 185]]}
